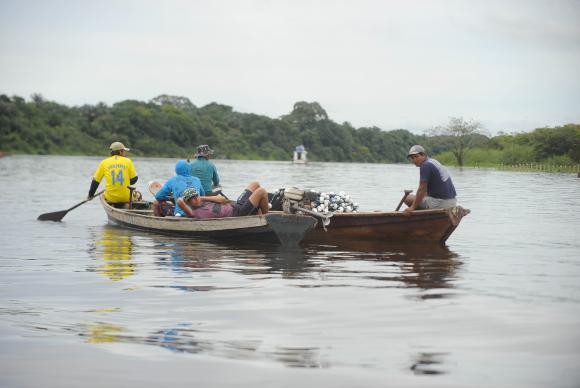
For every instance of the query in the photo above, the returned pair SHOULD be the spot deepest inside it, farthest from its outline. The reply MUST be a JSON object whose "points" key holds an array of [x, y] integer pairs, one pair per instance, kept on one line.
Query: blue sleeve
{"points": [[164, 192]]}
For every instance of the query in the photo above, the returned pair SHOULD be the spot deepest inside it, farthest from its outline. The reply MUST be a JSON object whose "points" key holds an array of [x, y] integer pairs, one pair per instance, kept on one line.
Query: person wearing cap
{"points": [[436, 189], [119, 173], [204, 169], [254, 200], [173, 189]]}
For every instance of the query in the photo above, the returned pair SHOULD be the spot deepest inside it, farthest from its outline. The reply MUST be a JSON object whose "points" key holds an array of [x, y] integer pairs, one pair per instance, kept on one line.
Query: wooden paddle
{"points": [[218, 191], [57, 216]]}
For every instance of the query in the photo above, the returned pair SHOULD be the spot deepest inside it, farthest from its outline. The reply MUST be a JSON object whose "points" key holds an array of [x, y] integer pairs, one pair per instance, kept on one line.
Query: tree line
{"points": [[172, 126]]}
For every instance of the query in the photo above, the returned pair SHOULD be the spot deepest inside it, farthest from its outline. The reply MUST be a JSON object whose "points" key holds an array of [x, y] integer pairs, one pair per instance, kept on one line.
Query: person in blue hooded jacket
{"points": [[173, 188]]}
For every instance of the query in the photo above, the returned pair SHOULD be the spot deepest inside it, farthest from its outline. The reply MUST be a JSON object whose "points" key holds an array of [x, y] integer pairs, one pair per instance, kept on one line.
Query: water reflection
{"points": [[184, 255], [428, 268], [428, 364], [184, 338], [114, 247], [198, 265], [424, 267], [99, 333]]}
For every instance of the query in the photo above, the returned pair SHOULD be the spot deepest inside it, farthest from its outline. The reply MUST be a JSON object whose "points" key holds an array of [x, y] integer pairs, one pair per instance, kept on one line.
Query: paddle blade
{"points": [[57, 216], [54, 216]]}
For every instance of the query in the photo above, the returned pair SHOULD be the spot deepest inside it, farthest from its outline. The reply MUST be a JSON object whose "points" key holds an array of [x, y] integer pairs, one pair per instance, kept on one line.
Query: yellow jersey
{"points": [[118, 171]]}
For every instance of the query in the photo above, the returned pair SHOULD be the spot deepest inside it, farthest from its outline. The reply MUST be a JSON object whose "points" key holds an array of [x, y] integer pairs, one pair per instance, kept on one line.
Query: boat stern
{"points": [[290, 229]]}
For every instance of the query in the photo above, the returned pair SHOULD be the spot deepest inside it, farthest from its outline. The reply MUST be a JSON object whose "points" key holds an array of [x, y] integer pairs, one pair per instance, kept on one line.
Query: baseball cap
{"points": [[118, 146], [416, 149]]}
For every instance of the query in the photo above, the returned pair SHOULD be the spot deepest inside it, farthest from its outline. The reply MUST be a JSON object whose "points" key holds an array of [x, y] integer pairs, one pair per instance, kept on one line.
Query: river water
{"points": [[87, 304]]}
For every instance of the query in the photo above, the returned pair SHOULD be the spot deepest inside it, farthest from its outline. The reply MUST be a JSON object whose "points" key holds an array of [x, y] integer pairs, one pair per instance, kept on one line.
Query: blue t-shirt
{"points": [[177, 184], [439, 183], [206, 171]]}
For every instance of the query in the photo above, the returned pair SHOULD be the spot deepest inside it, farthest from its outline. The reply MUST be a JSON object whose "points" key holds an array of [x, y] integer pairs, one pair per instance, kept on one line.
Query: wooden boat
{"points": [[273, 228], [426, 226]]}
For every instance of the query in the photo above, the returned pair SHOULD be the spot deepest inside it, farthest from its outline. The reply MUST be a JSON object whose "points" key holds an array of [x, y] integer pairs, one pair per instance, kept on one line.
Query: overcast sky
{"points": [[513, 65]]}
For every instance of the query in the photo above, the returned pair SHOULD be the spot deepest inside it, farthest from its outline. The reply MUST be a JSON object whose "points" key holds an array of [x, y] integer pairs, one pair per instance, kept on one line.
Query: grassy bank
{"points": [[512, 159]]}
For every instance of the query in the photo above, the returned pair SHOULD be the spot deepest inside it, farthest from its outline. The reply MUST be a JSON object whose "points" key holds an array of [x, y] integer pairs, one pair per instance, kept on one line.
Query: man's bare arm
{"points": [[421, 192], [183, 205], [215, 199]]}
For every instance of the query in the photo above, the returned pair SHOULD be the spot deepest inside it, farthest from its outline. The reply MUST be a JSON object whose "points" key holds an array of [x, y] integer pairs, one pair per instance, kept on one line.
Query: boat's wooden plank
{"points": [[180, 224], [432, 225]]}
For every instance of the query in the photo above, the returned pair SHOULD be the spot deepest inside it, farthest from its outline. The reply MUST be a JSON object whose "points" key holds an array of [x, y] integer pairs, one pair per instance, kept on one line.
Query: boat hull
{"points": [[429, 226], [272, 228]]}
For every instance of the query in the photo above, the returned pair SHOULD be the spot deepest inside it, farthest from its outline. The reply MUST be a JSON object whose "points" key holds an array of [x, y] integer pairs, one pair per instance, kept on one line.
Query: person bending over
{"points": [[254, 200], [174, 188]]}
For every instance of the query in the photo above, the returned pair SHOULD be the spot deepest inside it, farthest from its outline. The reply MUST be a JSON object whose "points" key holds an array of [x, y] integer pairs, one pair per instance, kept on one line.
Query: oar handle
{"points": [[86, 200], [407, 192]]}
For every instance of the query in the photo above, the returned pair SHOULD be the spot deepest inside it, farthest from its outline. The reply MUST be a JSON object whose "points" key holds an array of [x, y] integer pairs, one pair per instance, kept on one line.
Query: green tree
{"points": [[460, 134], [557, 141]]}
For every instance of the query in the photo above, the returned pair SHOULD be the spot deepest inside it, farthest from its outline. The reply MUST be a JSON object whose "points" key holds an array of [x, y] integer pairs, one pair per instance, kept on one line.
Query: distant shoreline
{"points": [[522, 167]]}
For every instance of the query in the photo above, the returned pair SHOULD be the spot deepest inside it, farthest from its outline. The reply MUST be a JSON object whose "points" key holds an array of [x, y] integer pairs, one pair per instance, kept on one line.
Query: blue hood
{"points": [[182, 168]]}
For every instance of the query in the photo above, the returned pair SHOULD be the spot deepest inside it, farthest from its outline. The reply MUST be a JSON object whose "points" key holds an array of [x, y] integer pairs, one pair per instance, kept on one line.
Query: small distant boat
{"points": [[273, 228], [300, 155]]}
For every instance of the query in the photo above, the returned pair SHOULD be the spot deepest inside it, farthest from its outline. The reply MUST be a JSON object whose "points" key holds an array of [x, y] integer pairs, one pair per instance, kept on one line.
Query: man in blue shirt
{"points": [[436, 188], [204, 169], [173, 189]]}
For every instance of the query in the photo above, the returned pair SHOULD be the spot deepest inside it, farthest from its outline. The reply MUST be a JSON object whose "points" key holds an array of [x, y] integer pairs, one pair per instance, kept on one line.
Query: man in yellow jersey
{"points": [[119, 173]]}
